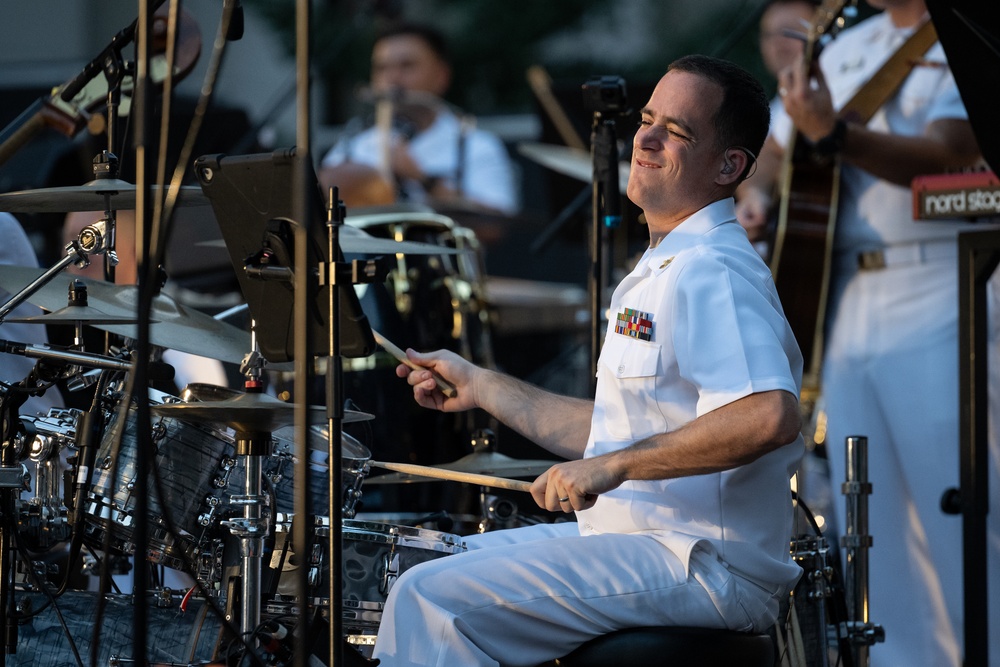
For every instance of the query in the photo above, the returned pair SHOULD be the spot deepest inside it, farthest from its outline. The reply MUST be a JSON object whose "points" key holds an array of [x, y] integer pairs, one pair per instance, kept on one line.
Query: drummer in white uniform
{"points": [[679, 471]]}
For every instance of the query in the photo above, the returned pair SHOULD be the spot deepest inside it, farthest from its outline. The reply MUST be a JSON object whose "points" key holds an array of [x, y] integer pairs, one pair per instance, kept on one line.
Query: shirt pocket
{"points": [[630, 369]]}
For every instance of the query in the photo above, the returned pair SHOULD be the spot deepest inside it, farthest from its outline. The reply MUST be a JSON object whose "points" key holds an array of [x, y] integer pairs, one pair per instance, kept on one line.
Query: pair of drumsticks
{"points": [[439, 473]]}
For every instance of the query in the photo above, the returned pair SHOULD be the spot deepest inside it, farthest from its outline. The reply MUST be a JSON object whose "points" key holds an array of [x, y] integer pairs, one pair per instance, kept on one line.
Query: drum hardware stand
{"points": [[254, 525], [12, 476], [856, 540], [494, 512]]}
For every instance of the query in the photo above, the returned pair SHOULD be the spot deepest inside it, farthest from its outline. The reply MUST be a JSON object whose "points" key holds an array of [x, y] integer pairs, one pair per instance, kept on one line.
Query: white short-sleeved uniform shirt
{"points": [[699, 325], [874, 213], [487, 173]]}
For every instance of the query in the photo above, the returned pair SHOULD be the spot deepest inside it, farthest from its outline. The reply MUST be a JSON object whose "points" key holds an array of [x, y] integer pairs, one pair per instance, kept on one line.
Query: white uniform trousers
{"points": [[891, 374], [527, 595]]}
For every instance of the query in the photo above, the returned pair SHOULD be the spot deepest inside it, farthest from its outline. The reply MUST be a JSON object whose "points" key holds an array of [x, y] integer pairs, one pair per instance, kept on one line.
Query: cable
{"points": [[43, 587]]}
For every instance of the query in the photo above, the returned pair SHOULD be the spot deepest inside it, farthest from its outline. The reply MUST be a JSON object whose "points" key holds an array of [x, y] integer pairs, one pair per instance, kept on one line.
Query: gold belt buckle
{"points": [[871, 259]]}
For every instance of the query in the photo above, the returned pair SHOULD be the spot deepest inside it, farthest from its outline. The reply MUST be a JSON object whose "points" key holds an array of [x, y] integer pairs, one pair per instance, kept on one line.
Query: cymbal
{"points": [[485, 463], [173, 325], [76, 315], [90, 196], [359, 242], [350, 448], [247, 413], [571, 162]]}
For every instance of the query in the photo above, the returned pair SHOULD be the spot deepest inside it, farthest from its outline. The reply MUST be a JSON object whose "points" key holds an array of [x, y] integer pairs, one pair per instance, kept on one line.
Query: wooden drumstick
{"points": [[446, 388], [455, 476]]}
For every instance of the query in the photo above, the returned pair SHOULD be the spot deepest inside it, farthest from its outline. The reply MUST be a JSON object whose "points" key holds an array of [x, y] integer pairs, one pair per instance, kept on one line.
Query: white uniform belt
{"points": [[908, 253]]}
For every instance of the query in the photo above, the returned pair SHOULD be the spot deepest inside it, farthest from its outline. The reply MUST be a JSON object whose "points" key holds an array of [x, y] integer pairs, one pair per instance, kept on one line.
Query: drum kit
{"points": [[219, 507]]}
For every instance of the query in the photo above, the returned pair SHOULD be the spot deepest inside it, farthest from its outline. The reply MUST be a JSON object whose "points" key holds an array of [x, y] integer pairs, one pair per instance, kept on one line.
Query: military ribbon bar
{"points": [[634, 324]]}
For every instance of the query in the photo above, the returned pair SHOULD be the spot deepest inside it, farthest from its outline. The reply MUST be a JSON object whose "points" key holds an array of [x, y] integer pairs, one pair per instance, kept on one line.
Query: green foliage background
{"points": [[494, 42]]}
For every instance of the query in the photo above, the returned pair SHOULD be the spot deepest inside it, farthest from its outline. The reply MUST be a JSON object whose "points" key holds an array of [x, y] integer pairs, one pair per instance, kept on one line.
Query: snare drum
{"points": [[194, 463], [375, 554]]}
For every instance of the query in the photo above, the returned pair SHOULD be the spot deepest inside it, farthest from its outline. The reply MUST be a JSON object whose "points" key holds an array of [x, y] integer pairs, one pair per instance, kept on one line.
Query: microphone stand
{"points": [[303, 293], [145, 167], [606, 205], [606, 97], [335, 419]]}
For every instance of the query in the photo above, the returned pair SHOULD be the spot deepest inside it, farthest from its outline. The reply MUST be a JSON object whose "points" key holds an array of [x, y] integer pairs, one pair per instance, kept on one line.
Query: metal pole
{"points": [[856, 542]]}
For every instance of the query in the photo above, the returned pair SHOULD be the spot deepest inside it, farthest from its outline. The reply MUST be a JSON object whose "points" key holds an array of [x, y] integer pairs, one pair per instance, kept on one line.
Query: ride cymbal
{"points": [[484, 463]]}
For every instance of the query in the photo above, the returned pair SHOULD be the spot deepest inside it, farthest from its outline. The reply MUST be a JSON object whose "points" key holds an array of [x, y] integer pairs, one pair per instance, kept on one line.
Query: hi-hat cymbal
{"points": [[97, 195], [571, 162], [484, 463], [247, 413], [173, 325]]}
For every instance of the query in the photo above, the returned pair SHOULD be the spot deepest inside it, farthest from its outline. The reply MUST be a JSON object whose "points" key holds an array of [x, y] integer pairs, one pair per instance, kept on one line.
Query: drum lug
{"points": [[159, 431], [390, 572], [205, 518]]}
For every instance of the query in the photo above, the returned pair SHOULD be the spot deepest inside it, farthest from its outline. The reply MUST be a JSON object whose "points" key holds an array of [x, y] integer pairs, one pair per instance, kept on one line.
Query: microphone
{"points": [[236, 20], [606, 96], [611, 189]]}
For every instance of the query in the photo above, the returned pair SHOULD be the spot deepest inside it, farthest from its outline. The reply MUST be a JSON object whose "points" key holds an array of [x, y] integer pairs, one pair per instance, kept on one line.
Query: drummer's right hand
{"points": [[459, 372]]}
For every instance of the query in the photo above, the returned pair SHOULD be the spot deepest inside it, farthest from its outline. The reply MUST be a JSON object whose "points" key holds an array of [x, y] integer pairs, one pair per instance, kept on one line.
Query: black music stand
{"points": [[967, 30], [253, 200]]}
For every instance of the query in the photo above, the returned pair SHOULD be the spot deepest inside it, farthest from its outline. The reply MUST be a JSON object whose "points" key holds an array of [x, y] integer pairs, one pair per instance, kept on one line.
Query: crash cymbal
{"points": [[173, 325], [76, 315], [571, 162], [248, 413], [97, 195], [484, 463]]}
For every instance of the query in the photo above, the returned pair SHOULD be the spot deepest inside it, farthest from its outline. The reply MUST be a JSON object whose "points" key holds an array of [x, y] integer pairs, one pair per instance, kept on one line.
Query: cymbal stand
{"points": [[77, 252], [251, 529]]}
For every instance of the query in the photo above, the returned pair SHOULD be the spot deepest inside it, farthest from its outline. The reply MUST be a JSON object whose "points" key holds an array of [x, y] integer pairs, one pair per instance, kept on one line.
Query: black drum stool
{"points": [[674, 647]]}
